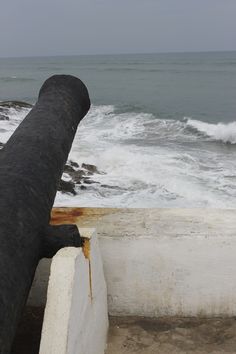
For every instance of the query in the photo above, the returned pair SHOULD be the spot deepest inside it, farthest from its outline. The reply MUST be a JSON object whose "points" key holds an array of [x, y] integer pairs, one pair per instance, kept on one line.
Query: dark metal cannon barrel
{"points": [[31, 165]]}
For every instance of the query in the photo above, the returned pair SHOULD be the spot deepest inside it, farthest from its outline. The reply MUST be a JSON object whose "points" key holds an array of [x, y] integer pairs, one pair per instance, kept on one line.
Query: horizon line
{"points": [[111, 54]]}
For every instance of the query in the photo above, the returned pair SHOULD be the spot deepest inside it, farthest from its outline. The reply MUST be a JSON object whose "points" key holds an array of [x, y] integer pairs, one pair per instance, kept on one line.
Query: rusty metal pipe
{"points": [[31, 165]]}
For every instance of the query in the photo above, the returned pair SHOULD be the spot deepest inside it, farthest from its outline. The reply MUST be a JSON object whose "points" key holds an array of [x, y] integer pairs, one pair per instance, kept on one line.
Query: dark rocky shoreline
{"points": [[78, 175], [6, 105], [75, 176]]}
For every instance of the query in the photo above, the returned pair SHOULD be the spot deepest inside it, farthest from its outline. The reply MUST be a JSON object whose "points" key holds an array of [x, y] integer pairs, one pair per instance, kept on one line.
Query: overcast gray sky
{"points": [[68, 27]]}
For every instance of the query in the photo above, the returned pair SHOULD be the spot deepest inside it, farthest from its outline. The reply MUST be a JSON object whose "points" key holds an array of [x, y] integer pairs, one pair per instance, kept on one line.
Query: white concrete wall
{"points": [[165, 262], [75, 320], [170, 262], [177, 277]]}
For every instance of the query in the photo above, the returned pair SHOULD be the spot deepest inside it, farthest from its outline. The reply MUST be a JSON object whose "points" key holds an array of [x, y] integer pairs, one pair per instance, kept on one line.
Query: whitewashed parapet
{"points": [[169, 262], [171, 277], [75, 319], [161, 262], [165, 262]]}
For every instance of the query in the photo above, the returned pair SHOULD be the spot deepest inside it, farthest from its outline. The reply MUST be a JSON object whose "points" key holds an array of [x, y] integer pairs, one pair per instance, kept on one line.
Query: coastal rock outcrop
{"points": [[77, 175]]}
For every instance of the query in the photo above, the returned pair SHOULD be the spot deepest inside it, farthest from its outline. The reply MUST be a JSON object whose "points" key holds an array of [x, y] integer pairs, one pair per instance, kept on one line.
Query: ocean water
{"points": [[161, 129]]}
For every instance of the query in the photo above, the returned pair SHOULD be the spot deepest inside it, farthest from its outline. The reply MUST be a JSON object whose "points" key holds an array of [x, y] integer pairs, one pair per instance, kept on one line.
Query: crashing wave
{"points": [[220, 131], [147, 162]]}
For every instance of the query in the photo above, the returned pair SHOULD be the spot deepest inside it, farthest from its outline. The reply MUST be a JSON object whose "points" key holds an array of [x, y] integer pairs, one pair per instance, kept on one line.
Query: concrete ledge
{"points": [[75, 319], [160, 262], [171, 277], [165, 262]]}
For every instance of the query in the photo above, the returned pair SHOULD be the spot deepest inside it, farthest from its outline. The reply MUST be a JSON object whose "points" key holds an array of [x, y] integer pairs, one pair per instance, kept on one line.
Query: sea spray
{"points": [[219, 132], [147, 161]]}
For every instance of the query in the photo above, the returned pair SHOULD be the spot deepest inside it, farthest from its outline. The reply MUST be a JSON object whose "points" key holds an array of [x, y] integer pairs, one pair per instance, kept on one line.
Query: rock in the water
{"points": [[79, 176], [67, 187], [69, 169], [87, 180], [74, 164], [111, 187], [15, 104], [1, 145], [76, 175], [3, 117], [90, 168]]}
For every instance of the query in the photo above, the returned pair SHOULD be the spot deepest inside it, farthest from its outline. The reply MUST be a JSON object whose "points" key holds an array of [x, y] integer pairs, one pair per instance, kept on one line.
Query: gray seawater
{"points": [[162, 127]]}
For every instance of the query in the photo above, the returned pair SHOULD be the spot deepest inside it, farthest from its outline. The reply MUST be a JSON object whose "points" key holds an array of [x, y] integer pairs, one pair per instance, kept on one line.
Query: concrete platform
{"points": [[171, 336], [132, 335]]}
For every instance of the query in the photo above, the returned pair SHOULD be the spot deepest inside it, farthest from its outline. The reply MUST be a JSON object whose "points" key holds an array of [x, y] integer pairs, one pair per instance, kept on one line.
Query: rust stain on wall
{"points": [[81, 216], [86, 251], [86, 247], [65, 215]]}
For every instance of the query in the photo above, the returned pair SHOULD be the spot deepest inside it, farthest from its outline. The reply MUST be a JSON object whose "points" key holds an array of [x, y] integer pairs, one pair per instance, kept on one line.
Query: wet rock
{"points": [[90, 168], [74, 164], [77, 176], [67, 187], [80, 175], [111, 187], [89, 181], [69, 169], [15, 104], [3, 117]]}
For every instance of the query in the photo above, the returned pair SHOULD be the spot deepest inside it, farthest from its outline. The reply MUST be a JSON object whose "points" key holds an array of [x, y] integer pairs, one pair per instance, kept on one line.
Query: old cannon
{"points": [[31, 165]]}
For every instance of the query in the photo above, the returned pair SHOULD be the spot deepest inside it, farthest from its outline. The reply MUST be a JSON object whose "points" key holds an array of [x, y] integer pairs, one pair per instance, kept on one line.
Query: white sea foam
{"points": [[7, 127], [148, 162]]}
